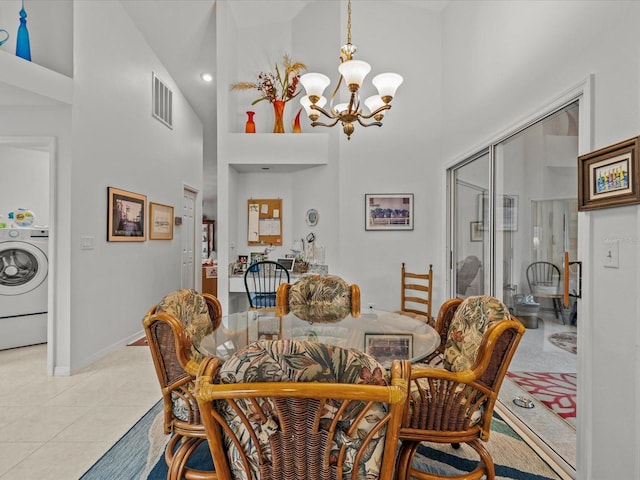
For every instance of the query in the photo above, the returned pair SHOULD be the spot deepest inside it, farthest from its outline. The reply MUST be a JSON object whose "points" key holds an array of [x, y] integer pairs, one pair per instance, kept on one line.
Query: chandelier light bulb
{"points": [[353, 72], [387, 84], [314, 84], [373, 103], [311, 113]]}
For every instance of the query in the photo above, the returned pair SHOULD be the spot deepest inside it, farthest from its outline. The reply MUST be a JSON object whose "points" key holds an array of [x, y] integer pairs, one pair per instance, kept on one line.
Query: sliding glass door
{"points": [[513, 204]]}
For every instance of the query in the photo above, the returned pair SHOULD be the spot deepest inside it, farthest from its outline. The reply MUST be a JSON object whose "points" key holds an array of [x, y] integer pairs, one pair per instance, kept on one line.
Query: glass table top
{"points": [[384, 335]]}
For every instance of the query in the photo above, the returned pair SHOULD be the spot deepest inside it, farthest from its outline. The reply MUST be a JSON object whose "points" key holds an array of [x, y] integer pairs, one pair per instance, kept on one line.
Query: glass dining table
{"points": [[384, 335]]}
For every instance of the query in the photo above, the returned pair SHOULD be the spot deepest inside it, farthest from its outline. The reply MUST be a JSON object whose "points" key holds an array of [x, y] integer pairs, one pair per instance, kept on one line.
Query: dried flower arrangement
{"points": [[281, 85]]}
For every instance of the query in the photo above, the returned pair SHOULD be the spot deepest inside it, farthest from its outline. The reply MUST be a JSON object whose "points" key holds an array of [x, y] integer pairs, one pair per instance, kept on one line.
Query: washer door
{"points": [[23, 267]]}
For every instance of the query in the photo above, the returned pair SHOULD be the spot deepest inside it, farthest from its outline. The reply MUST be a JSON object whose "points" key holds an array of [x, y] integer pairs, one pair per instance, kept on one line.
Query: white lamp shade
{"points": [[341, 107], [354, 71], [306, 103], [374, 102], [314, 83], [387, 83]]}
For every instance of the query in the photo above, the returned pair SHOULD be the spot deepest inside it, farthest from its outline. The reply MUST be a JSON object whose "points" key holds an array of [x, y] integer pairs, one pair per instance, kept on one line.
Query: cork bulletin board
{"points": [[264, 221]]}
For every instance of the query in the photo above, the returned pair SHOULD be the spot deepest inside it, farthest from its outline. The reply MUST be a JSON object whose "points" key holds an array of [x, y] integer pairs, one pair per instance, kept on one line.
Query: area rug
{"points": [[565, 340], [139, 455], [556, 390]]}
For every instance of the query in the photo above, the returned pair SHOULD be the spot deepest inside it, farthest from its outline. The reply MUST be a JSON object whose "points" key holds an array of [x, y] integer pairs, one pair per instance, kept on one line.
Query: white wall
{"points": [[24, 173], [504, 61], [116, 142]]}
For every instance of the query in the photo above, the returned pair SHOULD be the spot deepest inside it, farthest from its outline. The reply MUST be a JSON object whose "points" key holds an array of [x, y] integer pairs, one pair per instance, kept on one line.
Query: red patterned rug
{"points": [[556, 390]]}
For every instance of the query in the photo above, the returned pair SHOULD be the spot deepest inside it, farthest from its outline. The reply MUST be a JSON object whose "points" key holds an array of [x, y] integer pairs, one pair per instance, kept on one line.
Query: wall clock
{"points": [[312, 217]]}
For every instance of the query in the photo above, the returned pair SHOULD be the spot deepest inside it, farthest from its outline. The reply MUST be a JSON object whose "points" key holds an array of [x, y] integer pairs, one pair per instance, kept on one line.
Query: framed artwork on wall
{"points": [[476, 231], [609, 177], [160, 221], [126, 216], [385, 211]]}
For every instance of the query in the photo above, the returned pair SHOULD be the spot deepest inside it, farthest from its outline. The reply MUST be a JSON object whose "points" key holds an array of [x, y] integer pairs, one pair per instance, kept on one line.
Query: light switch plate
{"points": [[611, 253]]}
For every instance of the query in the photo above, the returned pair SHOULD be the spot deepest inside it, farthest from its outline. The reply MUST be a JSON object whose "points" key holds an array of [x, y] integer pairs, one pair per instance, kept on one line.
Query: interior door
{"points": [[188, 238]]}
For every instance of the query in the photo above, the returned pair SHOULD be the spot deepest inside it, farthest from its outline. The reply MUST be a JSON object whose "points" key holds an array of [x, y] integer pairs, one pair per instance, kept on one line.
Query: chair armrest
{"points": [[355, 300]]}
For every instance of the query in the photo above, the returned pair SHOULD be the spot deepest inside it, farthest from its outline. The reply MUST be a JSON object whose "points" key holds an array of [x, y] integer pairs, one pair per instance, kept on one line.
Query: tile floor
{"points": [[55, 428], [552, 433]]}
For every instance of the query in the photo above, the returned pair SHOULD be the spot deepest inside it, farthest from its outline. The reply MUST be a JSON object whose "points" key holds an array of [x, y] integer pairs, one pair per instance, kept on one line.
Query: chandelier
{"points": [[352, 73]]}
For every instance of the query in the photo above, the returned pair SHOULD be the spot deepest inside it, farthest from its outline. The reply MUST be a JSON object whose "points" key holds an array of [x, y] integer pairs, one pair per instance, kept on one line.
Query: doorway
{"points": [[513, 204], [188, 238], [32, 162]]}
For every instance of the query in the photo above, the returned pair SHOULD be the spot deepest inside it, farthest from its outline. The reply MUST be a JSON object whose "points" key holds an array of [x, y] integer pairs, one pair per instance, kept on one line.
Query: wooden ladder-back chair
{"points": [[315, 297], [172, 328], [416, 292], [294, 410], [455, 404]]}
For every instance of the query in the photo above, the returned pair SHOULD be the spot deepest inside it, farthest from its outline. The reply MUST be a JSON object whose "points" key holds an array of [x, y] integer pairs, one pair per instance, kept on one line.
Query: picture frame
{"points": [[475, 234], [506, 212], [160, 221], [609, 177], [386, 347], [385, 211], [126, 216], [255, 257]]}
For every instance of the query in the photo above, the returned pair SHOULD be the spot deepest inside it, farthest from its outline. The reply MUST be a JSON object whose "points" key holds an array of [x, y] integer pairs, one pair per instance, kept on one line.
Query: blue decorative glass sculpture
{"points": [[23, 48]]}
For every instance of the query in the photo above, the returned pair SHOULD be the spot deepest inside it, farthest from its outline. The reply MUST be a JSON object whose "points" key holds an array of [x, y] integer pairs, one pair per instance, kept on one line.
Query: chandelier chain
{"points": [[349, 22]]}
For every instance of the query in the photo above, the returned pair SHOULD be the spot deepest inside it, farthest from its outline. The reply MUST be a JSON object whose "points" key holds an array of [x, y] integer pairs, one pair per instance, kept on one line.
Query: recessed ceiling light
{"points": [[207, 77]]}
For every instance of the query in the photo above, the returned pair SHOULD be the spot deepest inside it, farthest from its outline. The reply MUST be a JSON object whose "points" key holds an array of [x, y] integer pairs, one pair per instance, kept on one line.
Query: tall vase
{"points": [[278, 116], [23, 48], [250, 126]]}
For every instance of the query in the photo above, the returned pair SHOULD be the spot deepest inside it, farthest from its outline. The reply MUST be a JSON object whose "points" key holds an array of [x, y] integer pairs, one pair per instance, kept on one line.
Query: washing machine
{"points": [[24, 268]]}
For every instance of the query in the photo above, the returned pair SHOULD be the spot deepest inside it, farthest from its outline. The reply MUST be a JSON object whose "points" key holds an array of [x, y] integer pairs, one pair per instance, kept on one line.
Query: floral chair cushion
{"points": [[301, 361], [191, 309], [320, 298], [471, 319]]}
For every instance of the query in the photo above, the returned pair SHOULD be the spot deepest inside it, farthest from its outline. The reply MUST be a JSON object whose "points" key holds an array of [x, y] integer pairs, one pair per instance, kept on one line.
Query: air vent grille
{"points": [[162, 102]]}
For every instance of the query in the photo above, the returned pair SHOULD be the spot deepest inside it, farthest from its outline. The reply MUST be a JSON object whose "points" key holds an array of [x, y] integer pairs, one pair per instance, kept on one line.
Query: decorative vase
{"points": [[296, 123], [278, 116], [23, 49], [250, 126]]}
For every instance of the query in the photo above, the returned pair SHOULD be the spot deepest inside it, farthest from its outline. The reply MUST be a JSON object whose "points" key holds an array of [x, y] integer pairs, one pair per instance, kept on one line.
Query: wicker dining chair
{"points": [[443, 321], [294, 409], [455, 404], [319, 298], [172, 327]]}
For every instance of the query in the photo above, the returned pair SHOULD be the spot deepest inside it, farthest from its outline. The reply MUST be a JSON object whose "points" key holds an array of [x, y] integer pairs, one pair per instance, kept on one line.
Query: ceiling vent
{"points": [[162, 102]]}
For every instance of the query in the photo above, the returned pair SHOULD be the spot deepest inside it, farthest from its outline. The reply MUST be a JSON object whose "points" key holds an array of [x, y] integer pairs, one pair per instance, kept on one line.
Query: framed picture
{"points": [[506, 212], [609, 177], [476, 231], [160, 221], [388, 211], [125, 216], [256, 257], [387, 347]]}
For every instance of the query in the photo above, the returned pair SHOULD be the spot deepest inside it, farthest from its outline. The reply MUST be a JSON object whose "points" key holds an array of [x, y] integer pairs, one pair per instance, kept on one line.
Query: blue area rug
{"points": [[139, 455]]}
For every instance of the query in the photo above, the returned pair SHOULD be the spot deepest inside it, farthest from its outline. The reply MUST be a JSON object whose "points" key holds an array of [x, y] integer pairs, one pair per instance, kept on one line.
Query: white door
{"points": [[188, 238]]}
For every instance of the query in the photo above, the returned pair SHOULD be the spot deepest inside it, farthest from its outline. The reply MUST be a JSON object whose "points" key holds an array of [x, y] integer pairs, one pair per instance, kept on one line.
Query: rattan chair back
{"points": [[311, 430], [176, 366]]}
